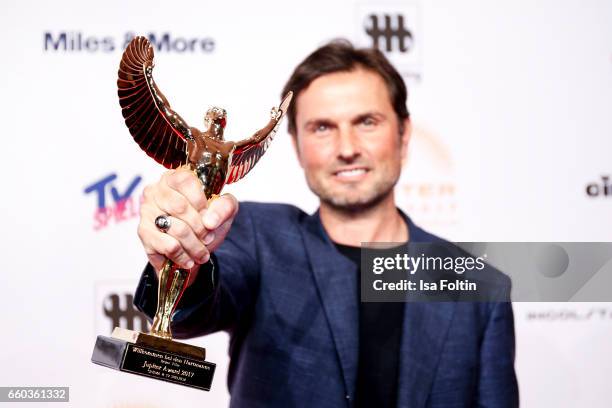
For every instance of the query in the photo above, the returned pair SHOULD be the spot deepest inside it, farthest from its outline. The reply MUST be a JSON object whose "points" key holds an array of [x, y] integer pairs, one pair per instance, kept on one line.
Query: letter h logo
{"points": [[127, 316], [391, 26]]}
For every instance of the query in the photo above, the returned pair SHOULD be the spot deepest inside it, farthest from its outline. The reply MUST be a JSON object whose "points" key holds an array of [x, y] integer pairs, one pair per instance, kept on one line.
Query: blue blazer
{"points": [[289, 301]]}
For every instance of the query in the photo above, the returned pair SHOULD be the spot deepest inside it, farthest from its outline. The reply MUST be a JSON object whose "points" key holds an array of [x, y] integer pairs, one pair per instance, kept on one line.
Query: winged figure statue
{"points": [[164, 135]]}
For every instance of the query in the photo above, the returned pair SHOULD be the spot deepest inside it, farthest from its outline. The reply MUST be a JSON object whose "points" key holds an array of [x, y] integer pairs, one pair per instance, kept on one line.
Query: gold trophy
{"points": [[165, 136]]}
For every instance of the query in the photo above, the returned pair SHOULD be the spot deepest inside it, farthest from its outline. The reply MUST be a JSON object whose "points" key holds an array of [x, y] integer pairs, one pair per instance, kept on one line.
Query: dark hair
{"points": [[338, 56]]}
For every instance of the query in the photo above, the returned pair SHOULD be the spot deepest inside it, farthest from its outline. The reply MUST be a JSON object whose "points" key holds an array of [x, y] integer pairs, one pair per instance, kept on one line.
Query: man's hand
{"points": [[196, 228]]}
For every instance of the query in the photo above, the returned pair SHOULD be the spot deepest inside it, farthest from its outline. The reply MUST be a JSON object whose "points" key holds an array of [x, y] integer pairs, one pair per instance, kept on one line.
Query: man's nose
{"points": [[348, 144]]}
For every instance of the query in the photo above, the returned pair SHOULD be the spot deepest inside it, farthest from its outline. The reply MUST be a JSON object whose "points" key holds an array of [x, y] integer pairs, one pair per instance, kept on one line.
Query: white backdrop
{"points": [[511, 104]]}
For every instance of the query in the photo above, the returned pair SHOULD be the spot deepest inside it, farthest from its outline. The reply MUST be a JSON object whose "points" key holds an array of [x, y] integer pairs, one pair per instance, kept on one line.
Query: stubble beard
{"points": [[352, 203]]}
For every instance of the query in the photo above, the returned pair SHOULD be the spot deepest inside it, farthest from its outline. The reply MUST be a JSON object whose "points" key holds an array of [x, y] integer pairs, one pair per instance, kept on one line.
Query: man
{"points": [[285, 284]]}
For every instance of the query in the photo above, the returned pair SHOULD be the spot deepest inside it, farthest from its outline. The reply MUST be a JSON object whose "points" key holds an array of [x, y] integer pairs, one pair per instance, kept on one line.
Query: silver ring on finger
{"points": [[162, 222]]}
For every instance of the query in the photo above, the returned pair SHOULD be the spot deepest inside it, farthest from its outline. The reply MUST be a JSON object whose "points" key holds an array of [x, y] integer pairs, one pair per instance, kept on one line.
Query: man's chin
{"points": [[352, 198], [352, 203]]}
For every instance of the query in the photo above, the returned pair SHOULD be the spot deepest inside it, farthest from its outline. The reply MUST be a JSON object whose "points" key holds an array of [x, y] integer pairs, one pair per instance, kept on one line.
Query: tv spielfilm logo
{"points": [[393, 28], [113, 203]]}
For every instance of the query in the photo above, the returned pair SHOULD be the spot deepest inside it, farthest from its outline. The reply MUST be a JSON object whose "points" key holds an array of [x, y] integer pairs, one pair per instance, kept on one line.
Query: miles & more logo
{"points": [[113, 204], [77, 41]]}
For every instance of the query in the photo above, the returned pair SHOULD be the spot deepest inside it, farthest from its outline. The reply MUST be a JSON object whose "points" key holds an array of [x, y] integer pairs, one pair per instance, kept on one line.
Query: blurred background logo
{"points": [[395, 29], [78, 41], [427, 189], [112, 204], [601, 188], [115, 308]]}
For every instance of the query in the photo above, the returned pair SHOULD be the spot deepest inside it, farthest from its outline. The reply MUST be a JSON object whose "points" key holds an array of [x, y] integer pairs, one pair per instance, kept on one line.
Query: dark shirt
{"points": [[380, 333]]}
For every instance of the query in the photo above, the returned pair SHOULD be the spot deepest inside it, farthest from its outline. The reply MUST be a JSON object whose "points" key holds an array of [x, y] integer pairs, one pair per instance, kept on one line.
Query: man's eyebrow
{"points": [[370, 114], [318, 121]]}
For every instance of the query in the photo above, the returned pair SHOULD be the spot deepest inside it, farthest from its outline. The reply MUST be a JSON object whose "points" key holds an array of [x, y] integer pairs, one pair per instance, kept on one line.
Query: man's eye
{"points": [[321, 128], [368, 121]]}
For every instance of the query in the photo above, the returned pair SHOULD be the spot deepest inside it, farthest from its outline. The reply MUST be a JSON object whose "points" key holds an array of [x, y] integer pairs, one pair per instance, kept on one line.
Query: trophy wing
{"points": [[157, 129], [247, 152]]}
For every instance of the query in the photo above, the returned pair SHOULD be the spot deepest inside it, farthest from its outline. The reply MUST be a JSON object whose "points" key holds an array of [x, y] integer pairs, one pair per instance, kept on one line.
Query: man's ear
{"points": [[296, 147], [405, 139]]}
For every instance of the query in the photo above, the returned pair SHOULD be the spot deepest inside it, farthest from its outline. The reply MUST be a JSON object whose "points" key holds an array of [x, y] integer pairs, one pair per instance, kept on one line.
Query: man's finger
{"points": [[219, 235], [173, 203], [172, 249], [219, 211], [187, 184], [179, 230]]}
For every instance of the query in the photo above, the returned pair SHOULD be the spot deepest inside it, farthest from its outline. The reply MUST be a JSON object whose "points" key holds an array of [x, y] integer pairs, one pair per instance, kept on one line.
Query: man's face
{"points": [[348, 139]]}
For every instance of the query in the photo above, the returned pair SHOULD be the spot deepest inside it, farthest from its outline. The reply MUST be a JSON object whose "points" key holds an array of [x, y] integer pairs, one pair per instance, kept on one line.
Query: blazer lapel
{"points": [[336, 280], [425, 330], [425, 324]]}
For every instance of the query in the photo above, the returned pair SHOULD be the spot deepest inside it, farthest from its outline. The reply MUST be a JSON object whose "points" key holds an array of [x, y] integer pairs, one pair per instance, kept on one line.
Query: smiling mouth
{"points": [[353, 173]]}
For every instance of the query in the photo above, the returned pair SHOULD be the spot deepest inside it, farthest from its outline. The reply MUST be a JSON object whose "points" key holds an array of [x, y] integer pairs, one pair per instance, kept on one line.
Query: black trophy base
{"points": [[150, 356]]}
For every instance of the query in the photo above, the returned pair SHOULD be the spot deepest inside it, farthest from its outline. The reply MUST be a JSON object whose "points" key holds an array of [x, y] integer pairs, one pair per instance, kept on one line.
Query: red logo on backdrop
{"points": [[428, 190], [113, 205]]}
